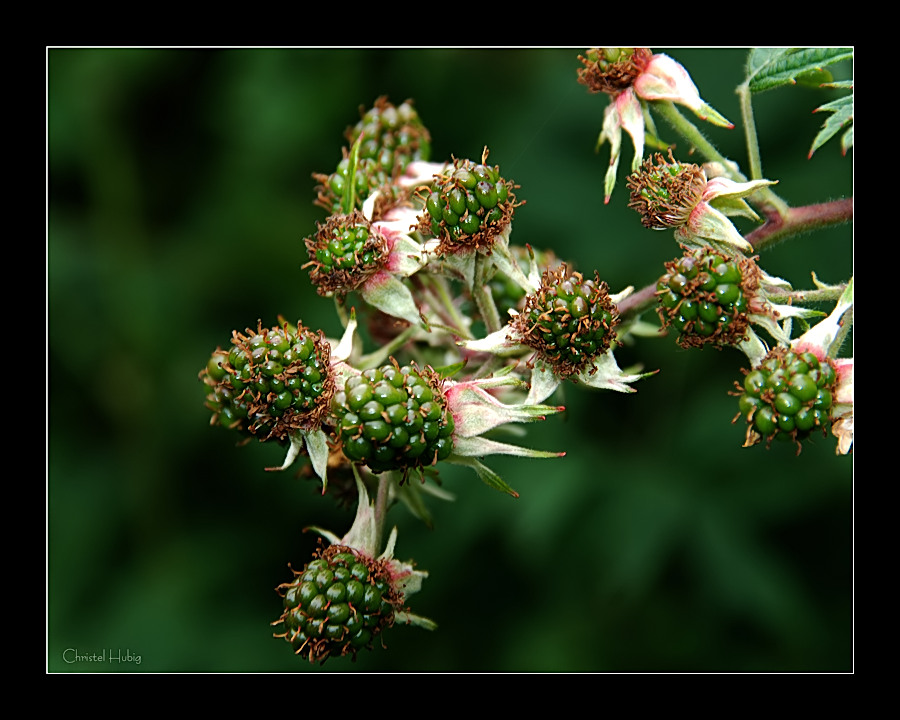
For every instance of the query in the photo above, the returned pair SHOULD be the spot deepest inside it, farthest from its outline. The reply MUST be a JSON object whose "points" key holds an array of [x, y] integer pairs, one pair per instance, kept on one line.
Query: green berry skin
{"points": [[271, 382], [394, 418], [569, 321], [789, 395], [333, 188], [706, 297], [467, 208], [337, 604], [391, 138], [344, 253]]}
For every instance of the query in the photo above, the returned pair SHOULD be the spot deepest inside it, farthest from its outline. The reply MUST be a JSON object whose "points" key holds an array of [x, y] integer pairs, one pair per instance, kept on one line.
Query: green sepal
{"points": [[348, 200], [316, 444], [487, 476], [411, 494], [479, 446], [448, 371], [407, 618], [317, 447], [713, 227], [390, 295]]}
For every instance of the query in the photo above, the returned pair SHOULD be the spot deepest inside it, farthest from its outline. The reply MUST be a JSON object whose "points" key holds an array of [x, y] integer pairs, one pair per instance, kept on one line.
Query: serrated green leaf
{"points": [[847, 141], [814, 78], [769, 68], [836, 105], [759, 58], [843, 114]]}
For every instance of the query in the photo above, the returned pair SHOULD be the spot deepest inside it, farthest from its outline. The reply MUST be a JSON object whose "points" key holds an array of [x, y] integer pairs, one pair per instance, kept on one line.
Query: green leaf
{"points": [[847, 141], [769, 68], [843, 116]]}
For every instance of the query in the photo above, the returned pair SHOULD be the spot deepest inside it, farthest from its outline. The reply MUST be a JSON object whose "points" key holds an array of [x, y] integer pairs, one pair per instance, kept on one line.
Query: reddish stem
{"points": [[774, 230], [800, 219]]}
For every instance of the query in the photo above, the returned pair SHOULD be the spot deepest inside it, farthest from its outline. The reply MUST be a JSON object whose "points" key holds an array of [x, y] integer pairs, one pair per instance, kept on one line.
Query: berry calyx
{"points": [[665, 193], [612, 70], [509, 294], [394, 418], [338, 603], [468, 208], [271, 383], [708, 297], [344, 253], [569, 320], [789, 395]]}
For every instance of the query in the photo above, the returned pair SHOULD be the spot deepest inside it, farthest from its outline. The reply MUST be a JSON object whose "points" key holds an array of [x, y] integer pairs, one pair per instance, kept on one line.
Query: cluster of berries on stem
{"points": [[476, 333]]}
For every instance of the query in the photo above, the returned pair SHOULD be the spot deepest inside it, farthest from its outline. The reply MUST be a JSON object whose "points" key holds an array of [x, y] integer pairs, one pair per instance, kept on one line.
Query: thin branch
{"points": [[779, 226]]}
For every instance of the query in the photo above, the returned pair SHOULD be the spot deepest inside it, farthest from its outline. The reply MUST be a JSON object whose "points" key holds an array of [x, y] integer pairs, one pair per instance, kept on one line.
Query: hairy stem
{"points": [[381, 502], [803, 297], [638, 301], [777, 227], [692, 134], [375, 358], [781, 225], [483, 297], [744, 96]]}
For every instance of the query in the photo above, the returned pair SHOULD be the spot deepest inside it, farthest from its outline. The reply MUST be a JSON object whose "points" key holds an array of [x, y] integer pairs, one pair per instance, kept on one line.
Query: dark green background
{"points": [[180, 192]]}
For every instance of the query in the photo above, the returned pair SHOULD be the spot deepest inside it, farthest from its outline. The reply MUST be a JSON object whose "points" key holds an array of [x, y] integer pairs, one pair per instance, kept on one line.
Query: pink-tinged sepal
{"points": [[665, 79]]}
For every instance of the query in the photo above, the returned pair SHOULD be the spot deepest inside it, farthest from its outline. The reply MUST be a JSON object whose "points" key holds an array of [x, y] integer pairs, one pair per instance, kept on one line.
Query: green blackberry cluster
{"points": [[469, 207], [337, 604], [333, 188], [391, 138], [271, 382], [344, 253], [789, 395], [568, 321], [707, 297], [394, 418]]}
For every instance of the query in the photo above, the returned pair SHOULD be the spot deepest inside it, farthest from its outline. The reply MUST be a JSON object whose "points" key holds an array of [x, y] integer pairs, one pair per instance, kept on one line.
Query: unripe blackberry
{"points": [[392, 137], [271, 383], [612, 70], [708, 297], [394, 418], [789, 395], [344, 253], [333, 188], [665, 193], [338, 604], [569, 320], [468, 208]]}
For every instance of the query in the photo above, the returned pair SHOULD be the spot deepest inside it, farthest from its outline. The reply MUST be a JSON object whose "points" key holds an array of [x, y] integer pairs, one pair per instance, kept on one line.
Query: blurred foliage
{"points": [[180, 192]]}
